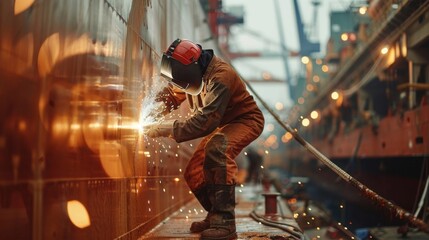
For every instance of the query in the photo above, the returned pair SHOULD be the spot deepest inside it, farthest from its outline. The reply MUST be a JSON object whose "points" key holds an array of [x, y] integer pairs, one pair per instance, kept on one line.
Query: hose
{"points": [[283, 226], [355, 152], [422, 198]]}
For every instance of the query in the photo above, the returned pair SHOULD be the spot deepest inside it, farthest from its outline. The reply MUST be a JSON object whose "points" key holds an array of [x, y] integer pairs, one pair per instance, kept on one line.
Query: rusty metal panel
{"points": [[74, 76]]}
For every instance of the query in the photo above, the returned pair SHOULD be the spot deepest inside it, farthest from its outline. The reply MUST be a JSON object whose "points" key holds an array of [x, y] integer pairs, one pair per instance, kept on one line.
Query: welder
{"points": [[224, 113]]}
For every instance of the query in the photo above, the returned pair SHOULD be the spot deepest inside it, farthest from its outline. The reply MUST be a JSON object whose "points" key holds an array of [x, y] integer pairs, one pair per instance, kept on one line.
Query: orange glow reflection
{"points": [[78, 214], [93, 134], [60, 127], [48, 54], [22, 5], [111, 156]]}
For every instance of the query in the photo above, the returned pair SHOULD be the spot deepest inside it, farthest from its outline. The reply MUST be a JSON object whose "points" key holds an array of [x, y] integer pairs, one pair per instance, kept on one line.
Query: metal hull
{"points": [[73, 75]]}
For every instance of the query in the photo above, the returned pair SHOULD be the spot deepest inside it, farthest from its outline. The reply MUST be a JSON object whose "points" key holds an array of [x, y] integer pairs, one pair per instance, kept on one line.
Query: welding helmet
{"points": [[179, 65]]}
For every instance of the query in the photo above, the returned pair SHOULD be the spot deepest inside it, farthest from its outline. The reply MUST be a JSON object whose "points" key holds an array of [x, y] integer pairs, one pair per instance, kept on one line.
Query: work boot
{"points": [[222, 218], [199, 226], [202, 196]]}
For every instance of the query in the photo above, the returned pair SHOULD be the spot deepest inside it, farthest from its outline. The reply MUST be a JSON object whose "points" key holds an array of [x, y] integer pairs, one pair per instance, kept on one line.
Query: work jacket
{"points": [[224, 99]]}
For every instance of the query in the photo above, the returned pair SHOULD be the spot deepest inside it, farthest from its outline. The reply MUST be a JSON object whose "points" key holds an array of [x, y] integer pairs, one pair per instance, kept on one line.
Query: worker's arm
{"points": [[210, 116], [172, 97], [163, 129]]}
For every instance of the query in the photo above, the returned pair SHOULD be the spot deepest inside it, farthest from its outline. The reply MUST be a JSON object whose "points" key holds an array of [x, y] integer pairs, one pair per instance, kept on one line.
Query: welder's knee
{"points": [[215, 152]]}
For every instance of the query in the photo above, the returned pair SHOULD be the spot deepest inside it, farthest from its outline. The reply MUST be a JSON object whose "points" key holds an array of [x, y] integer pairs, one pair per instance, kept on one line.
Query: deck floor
{"points": [[248, 199]]}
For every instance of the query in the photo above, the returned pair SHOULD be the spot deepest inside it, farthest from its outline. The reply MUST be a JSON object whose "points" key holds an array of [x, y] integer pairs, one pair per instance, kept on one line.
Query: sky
{"points": [[260, 33]]}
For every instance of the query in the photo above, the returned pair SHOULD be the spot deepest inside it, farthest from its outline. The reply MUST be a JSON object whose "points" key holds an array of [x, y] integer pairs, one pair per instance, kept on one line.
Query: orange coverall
{"points": [[225, 114]]}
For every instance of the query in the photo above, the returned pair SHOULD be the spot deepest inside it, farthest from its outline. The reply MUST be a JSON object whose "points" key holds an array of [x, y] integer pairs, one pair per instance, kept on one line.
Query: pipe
{"points": [[416, 86]]}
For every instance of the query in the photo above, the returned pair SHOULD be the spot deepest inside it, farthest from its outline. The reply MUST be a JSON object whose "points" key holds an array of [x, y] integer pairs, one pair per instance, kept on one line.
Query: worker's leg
{"points": [[194, 176], [202, 194], [222, 148], [220, 172]]}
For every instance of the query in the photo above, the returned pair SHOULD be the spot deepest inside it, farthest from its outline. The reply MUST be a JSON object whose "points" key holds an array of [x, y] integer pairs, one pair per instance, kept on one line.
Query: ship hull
{"points": [[75, 77]]}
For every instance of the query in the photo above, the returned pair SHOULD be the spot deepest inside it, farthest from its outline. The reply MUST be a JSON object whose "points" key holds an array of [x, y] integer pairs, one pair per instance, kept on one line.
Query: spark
{"points": [[151, 110]]}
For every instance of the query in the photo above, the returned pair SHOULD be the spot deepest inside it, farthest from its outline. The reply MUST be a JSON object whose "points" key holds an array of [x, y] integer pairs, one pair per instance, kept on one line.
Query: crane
{"points": [[306, 46]]}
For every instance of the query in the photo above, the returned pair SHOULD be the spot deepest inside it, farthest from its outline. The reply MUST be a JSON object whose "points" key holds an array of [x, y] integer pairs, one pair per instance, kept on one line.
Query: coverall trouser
{"points": [[213, 162]]}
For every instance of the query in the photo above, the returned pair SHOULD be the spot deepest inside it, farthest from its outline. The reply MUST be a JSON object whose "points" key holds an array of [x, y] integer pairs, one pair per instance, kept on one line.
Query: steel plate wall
{"points": [[73, 77]]}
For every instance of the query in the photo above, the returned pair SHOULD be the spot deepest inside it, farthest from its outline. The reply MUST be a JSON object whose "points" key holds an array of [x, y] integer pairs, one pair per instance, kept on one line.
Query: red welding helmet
{"points": [[179, 65]]}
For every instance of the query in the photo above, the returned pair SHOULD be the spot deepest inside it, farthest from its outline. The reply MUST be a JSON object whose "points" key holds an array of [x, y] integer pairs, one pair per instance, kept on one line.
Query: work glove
{"points": [[163, 129]]}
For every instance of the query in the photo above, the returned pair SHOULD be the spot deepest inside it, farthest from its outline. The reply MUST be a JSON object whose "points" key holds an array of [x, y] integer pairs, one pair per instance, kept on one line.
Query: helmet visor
{"points": [[186, 77]]}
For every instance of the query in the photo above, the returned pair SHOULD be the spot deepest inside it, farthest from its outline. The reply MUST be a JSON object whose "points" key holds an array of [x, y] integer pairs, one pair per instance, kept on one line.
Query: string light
{"points": [[305, 122], [363, 10], [335, 95], [314, 114], [305, 60], [325, 68]]}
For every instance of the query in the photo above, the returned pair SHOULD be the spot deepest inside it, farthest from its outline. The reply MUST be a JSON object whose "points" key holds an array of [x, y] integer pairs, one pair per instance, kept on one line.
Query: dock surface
{"points": [[249, 203]]}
